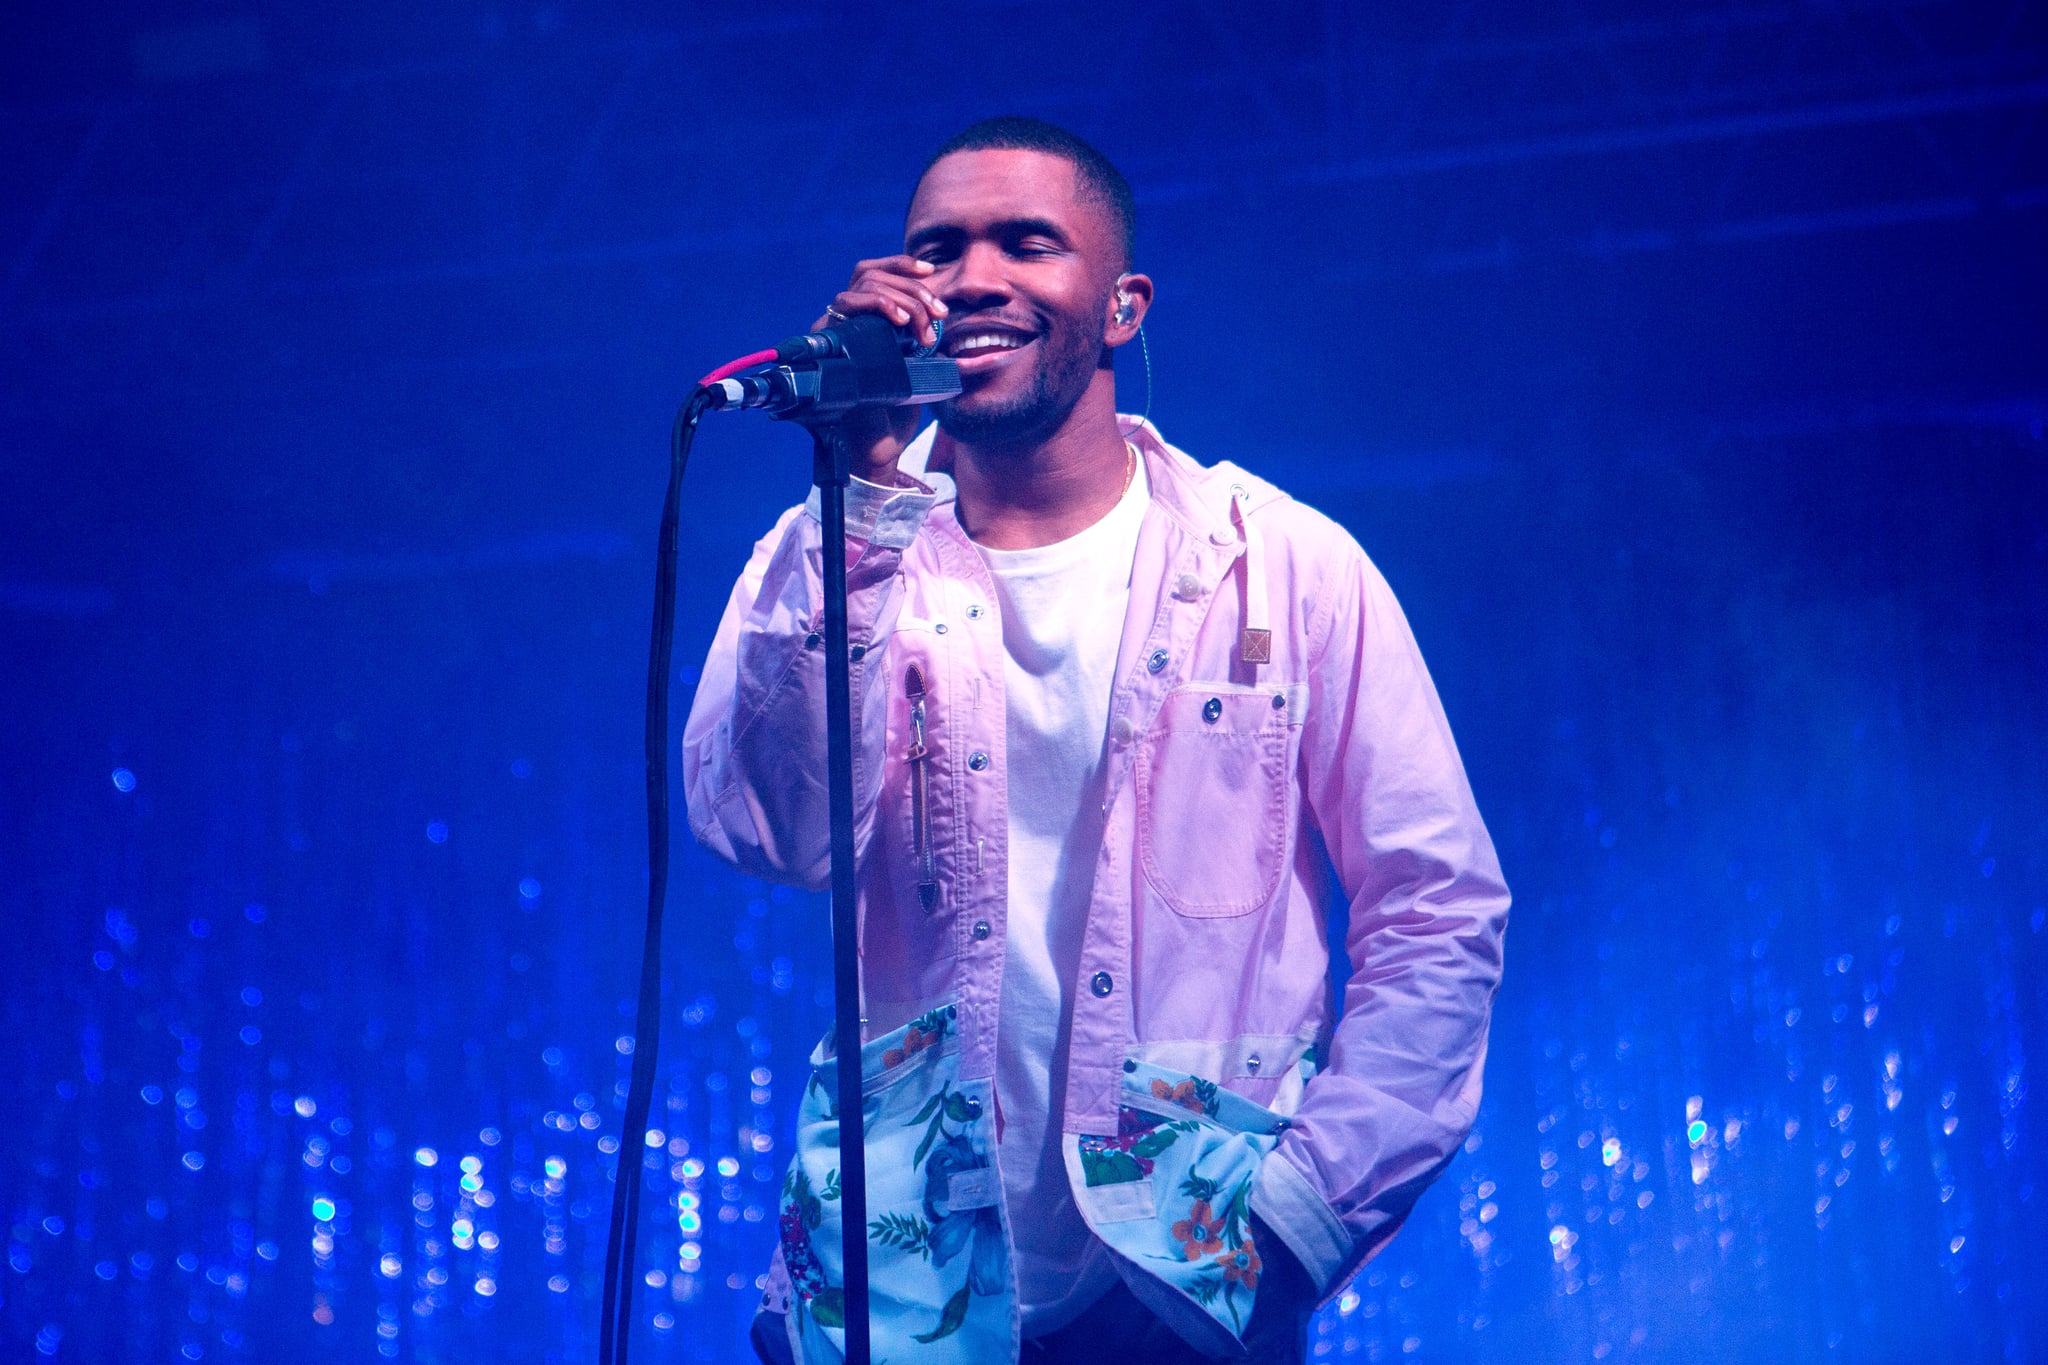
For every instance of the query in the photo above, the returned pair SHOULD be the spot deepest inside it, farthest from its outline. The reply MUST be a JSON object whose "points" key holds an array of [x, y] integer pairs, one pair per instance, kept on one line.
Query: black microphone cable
{"points": [[615, 1325], [920, 377]]}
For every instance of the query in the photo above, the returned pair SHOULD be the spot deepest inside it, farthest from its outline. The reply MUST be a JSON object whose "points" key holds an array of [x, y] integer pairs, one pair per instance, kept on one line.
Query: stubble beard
{"points": [[1070, 358]]}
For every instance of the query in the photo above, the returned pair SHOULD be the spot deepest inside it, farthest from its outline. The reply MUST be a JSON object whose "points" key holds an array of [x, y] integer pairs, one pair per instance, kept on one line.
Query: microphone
{"points": [[831, 341], [858, 363]]}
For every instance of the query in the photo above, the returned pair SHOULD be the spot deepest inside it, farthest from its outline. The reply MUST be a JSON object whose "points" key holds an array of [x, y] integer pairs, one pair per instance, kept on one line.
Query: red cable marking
{"points": [[733, 367]]}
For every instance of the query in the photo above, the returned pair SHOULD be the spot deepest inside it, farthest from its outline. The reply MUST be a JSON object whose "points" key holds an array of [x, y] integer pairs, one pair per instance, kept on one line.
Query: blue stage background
{"points": [[1682, 367]]}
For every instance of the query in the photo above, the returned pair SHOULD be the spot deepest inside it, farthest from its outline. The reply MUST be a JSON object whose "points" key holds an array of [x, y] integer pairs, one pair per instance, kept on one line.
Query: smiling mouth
{"points": [[970, 343]]}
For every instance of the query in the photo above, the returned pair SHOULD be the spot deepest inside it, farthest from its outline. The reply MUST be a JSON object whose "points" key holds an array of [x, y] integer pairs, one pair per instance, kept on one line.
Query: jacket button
{"points": [[1212, 710], [857, 653], [813, 640], [977, 760], [1123, 731], [973, 1107], [1279, 701], [1221, 537], [1102, 983], [1251, 1064], [1157, 662], [974, 612], [981, 929], [1130, 1065], [1187, 587], [940, 628]]}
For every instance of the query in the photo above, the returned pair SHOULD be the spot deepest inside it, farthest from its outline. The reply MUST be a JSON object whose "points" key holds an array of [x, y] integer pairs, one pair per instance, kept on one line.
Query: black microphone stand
{"points": [[830, 471], [860, 363]]}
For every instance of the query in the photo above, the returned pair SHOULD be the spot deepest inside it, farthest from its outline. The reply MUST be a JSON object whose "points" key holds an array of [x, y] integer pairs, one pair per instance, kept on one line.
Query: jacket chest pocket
{"points": [[1212, 782]]}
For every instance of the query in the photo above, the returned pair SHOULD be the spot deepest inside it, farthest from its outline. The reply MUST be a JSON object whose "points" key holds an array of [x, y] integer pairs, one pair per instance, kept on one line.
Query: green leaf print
{"points": [[1205, 1091], [950, 1318], [1202, 1188], [930, 1107], [797, 1189], [1109, 1167], [904, 1232], [1236, 1214], [1159, 1139], [829, 1308], [831, 1190], [931, 1134]]}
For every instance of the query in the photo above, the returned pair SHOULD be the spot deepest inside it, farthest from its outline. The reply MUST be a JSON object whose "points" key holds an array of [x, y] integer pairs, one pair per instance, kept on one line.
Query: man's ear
{"points": [[1129, 302]]}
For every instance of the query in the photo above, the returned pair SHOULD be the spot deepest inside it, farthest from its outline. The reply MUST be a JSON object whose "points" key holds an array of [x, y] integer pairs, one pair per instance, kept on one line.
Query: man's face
{"points": [[1026, 264]]}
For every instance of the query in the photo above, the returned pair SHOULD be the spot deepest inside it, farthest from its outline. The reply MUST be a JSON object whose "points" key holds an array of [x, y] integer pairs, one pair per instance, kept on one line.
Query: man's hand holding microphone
{"points": [[896, 289]]}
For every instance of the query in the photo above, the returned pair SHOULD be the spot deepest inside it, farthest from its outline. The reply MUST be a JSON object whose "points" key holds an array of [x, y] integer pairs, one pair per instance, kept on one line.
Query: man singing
{"points": [[1130, 733]]}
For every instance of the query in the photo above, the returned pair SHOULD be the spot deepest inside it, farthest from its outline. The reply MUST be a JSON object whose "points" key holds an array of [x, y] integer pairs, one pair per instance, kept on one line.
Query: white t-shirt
{"points": [[1063, 619]]}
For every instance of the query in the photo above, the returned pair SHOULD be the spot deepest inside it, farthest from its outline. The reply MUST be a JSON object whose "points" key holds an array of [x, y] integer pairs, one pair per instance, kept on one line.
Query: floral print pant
{"points": [[940, 1284], [1170, 1192]]}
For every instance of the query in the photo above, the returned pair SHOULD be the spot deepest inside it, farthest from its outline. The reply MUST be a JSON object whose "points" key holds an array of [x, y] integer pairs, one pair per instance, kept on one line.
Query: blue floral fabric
{"points": [[940, 1284], [1171, 1189]]}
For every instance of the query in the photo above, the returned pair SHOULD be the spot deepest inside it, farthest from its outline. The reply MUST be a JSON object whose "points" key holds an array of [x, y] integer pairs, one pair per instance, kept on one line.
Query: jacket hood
{"points": [[1199, 496]]}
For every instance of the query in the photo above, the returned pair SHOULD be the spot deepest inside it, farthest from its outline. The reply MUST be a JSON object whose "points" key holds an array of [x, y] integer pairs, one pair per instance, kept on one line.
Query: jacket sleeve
{"points": [[1428, 908], [754, 758]]}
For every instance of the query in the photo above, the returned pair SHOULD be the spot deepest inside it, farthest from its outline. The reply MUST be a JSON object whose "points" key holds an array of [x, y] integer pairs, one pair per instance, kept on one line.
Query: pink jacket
{"points": [[1236, 789]]}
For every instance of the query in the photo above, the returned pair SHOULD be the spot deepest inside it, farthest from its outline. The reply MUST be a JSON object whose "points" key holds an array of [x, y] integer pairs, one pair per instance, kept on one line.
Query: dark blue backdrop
{"points": [[1682, 367]]}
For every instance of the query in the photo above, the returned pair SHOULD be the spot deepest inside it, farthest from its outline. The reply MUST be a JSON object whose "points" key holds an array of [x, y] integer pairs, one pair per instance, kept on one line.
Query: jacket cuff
{"points": [[1299, 1216], [880, 515]]}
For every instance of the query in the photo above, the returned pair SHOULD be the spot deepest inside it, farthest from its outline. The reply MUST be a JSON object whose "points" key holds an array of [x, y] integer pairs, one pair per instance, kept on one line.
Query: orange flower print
{"points": [[915, 1041], [1241, 1265], [1183, 1094], [1196, 1233]]}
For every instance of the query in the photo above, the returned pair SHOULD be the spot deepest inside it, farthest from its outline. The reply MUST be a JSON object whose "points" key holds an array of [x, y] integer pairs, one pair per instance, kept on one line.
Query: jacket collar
{"points": [[1198, 497]]}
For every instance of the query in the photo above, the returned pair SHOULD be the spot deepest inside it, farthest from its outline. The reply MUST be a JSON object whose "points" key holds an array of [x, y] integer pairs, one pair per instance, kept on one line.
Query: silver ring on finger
{"points": [[834, 313]]}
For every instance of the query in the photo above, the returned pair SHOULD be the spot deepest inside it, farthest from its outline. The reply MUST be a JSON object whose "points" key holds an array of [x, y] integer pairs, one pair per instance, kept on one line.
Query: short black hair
{"points": [[1099, 179]]}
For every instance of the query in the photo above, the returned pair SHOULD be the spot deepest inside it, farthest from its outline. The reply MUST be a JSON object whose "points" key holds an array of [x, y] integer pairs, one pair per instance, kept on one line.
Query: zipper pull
{"points": [[913, 688], [919, 758]]}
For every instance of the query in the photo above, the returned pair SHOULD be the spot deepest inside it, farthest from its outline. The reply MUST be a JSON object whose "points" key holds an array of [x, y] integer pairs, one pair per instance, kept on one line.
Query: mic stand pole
{"points": [[830, 470]]}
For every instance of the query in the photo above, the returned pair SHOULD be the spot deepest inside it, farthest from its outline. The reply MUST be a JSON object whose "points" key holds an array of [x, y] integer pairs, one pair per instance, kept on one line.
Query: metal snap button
{"points": [[974, 612], [981, 929], [1251, 1064], [1279, 701], [1212, 710], [857, 653], [813, 640], [973, 1107], [1129, 1065], [977, 760], [940, 627], [1156, 662], [1102, 983]]}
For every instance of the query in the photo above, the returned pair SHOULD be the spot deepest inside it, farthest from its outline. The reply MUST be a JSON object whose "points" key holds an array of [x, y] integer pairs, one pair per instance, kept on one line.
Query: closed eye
{"points": [[934, 244]]}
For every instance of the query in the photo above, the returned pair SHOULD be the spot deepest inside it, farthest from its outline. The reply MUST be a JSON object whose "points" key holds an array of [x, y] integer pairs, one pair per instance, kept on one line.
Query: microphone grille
{"points": [[920, 351], [932, 378]]}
